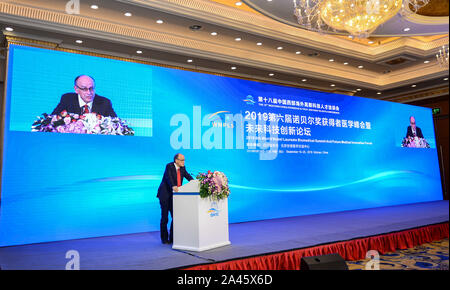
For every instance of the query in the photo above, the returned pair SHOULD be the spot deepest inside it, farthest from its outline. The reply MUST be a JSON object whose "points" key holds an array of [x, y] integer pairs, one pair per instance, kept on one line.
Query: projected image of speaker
{"points": [[325, 262]]}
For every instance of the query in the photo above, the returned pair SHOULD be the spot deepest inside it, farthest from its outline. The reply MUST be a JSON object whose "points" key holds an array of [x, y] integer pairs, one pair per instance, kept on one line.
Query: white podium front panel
{"points": [[199, 224]]}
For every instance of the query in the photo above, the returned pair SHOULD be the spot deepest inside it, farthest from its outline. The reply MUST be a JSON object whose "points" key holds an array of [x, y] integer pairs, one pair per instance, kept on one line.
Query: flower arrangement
{"points": [[213, 185], [90, 123], [415, 142]]}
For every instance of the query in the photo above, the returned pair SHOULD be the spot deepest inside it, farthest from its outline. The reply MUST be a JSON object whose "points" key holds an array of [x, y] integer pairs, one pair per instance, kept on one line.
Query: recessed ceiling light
{"points": [[189, 60], [159, 21], [94, 7], [138, 51], [350, 36], [298, 52], [427, 61], [360, 66], [304, 80], [370, 42], [128, 14], [271, 74], [358, 90], [332, 85], [279, 47], [195, 27], [9, 29], [213, 33], [406, 29], [331, 60], [79, 41], [239, 3], [446, 79], [345, 63], [413, 86], [379, 93], [238, 39], [259, 43], [233, 67]]}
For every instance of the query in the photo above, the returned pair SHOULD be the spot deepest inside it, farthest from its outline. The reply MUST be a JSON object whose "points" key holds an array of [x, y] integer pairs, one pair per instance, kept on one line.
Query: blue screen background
{"points": [[66, 186]]}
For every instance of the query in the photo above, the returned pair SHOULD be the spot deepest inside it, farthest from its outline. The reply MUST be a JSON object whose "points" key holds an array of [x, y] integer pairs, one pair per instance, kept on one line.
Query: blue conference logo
{"points": [[214, 210], [249, 100]]}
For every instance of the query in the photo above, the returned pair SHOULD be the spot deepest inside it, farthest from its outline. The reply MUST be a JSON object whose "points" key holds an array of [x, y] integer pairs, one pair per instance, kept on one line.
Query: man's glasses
{"points": [[91, 89]]}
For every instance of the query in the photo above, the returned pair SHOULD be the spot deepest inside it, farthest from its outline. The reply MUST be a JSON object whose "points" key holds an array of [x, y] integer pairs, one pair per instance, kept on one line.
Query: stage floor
{"points": [[144, 250]]}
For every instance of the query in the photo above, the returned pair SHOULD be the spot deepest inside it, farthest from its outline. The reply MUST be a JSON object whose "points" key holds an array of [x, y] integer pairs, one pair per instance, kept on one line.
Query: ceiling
{"points": [[235, 41]]}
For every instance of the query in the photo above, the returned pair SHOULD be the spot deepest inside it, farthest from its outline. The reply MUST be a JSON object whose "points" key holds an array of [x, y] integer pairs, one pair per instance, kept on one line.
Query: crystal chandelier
{"points": [[442, 56], [356, 17]]}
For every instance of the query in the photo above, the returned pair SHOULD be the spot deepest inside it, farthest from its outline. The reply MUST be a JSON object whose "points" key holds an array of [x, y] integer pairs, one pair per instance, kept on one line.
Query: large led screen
{"points": [[286, 151]]}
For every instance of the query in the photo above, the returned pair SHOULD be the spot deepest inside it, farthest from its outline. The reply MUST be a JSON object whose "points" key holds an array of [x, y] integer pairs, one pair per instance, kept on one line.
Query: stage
{"points": [[250, 240]]}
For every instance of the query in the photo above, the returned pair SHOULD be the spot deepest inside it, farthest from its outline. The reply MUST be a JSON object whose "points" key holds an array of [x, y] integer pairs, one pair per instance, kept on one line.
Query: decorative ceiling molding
{"points": [[421, 95]]}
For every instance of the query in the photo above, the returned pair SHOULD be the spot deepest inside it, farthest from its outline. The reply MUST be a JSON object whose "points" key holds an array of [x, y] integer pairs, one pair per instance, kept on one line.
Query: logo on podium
{"points": [[214, 210]]}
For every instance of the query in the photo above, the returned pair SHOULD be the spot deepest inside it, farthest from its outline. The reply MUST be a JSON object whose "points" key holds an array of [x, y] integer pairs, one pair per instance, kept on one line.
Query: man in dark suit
{"points": [[413, 130], [172, 179], [84, 100]]}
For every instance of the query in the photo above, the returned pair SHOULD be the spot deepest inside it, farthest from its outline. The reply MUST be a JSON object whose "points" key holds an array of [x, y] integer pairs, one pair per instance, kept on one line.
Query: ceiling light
{"points": [[355, 17], [427, 61], [279, 47], [298, 52], [9, 29], [271, 74], [239, 3], [345, 63], [128, 14], [237, 39], [406, 29], [233, 67], [195, 27], [413, 86], [189, 60], [358, 90], [332, 85], [213, 33], [360, 66], [304, 80], [94, 7], [259, 43], [79, 41], [446, 79], [159, 21], [138, 51], [370, 42], [379, 93], [442, 56], [331, 60]]}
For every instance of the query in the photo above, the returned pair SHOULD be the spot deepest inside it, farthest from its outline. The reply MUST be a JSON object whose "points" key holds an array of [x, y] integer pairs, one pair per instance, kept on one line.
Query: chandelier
{"points": [[442, 56], [356, 17]]}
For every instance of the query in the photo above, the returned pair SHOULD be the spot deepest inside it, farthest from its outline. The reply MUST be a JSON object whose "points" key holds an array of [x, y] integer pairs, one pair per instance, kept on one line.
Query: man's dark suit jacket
{"points": [[100, 105], [409, 132], [170, 180]]}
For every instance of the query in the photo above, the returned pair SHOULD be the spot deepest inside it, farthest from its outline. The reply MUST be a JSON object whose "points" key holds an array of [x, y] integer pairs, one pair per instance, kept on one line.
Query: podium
{"points": [[199, 224]]}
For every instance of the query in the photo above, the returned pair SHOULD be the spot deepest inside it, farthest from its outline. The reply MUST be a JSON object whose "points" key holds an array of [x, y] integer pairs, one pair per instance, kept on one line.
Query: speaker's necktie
{"points": [[178, 178], [85, 109]]}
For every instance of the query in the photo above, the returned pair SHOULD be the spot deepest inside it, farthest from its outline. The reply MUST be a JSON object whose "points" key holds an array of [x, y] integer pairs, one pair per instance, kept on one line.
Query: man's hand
{"points": [[175, 188]]}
